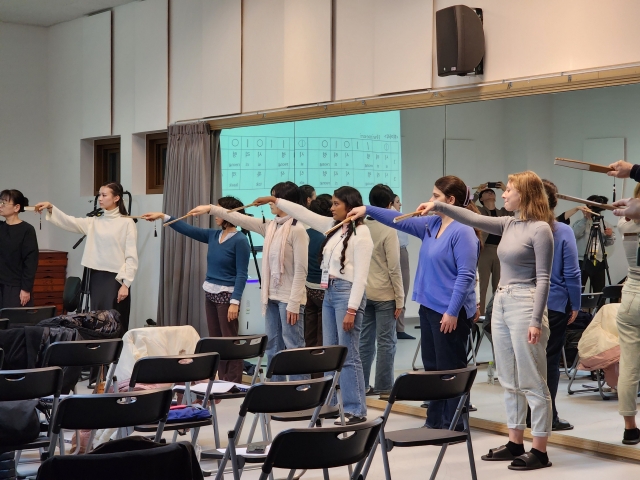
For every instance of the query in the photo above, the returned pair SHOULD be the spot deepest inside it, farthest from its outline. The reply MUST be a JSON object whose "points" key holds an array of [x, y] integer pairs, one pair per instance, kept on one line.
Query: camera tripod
{"points": [[595, 244]]}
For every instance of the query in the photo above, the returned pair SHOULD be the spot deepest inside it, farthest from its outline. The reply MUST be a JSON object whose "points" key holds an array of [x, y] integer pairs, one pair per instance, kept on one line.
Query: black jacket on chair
{"points": [[128, 458]]}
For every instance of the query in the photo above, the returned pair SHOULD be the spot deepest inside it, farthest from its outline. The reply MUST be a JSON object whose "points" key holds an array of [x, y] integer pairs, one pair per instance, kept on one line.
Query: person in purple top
{"points": [[564, 299], [444, 284]]}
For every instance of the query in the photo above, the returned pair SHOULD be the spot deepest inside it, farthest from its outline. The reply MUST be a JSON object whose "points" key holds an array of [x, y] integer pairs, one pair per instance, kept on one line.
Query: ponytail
{"points": [[117, 191]]}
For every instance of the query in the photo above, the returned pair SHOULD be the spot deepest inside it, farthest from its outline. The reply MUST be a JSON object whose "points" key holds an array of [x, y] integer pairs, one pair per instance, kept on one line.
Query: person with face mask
{"points": [[284, 270]]}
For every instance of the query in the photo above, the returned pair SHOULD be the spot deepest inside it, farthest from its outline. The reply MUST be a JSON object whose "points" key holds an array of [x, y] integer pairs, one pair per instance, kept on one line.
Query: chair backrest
{"points": [[27, 316], [175, 368], [313, 448], [429, 386], [611, 292], [4, 323], [309, 360], [234, 348], [274, 397], [83, 353], [590, 300], [30, 383], [112, 410], [1, 358]]}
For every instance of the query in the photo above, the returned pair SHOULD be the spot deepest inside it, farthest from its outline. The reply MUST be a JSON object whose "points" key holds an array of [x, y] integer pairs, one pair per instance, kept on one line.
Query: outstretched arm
{"points": [[494, 225]]}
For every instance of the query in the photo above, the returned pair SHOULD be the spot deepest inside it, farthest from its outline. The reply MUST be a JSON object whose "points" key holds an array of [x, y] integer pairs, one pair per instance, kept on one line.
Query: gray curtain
{"points": [[183, 261]]}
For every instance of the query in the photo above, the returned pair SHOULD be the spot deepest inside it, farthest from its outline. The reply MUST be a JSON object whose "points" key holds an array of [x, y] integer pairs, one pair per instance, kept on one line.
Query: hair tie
{"points": [[469, 197]]}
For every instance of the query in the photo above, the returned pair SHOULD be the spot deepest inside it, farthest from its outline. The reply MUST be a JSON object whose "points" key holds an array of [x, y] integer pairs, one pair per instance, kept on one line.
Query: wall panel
{"points": [[96, 75]]}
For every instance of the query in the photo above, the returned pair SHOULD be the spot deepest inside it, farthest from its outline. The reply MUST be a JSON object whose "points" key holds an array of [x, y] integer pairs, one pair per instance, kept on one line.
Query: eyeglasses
{"points": [[3, 204]]}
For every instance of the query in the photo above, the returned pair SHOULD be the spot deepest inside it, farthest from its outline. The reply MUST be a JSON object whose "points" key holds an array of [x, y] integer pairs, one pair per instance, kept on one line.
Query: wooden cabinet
{"points": [[48, 286]]}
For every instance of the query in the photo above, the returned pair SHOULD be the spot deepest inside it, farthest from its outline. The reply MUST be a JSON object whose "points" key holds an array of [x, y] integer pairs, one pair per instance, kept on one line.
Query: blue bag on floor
{"points": [[188, 414]]}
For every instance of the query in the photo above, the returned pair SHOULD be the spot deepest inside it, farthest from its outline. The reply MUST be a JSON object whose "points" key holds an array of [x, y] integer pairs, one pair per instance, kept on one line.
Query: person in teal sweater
{"points": [[227, 273]]}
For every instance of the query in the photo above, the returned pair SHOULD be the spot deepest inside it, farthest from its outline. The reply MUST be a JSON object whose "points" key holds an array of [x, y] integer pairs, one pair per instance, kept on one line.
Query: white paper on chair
{"points": [[243, 451], [219, 386]]}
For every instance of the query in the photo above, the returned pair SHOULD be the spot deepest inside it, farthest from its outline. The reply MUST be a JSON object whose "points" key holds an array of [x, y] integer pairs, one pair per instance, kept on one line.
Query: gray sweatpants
{"points": [[628, 322]]}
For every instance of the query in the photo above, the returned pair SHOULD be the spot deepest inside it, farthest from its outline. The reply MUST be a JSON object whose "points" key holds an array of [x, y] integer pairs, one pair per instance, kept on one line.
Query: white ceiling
{"points": [[45, 13]]}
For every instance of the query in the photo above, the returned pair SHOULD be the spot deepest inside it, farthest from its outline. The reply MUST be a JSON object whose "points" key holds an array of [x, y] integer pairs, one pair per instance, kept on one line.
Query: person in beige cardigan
{"points": [[385, 299]]}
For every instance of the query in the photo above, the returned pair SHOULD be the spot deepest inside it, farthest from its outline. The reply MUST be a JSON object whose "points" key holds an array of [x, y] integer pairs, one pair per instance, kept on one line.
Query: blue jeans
{"points": [[521, 366], [282, 335], [443, 351], [334, 309], [379, 326]]}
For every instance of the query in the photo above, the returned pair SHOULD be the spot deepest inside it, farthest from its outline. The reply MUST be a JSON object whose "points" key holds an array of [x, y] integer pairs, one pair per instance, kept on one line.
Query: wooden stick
{"points": [[604, 206], [591, 167], [129, 216], [399, 218], [242, 208], [29, 209], [335, 227], [176, 219]]}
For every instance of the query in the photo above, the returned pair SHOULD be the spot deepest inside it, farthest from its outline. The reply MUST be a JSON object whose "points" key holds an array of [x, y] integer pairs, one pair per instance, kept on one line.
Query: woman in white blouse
{"points": [[110, 251]]}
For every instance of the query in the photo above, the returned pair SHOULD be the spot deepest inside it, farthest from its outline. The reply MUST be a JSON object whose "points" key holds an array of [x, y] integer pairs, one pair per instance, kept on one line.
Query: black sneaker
{"points": [[559, 424], [350, 420], [631, 436], [405, 336]]}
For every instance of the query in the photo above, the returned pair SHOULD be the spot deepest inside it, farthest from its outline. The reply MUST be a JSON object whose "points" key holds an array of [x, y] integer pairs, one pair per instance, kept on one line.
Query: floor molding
{"points": [[563, 440]]}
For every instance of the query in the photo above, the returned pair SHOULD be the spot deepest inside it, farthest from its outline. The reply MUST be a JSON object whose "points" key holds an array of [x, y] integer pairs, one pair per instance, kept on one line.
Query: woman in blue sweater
{"points": [[227, 273], [564, 299], [444, 284]]}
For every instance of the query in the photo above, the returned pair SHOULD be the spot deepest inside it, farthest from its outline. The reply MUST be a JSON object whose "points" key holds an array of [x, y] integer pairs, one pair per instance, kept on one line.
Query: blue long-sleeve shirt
{"points": [[227, 262], [566, 284], [446, 272]]}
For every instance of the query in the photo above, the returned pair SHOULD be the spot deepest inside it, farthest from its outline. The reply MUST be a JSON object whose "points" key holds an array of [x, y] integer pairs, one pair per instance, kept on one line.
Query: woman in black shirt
{"points": [[18, 252]]}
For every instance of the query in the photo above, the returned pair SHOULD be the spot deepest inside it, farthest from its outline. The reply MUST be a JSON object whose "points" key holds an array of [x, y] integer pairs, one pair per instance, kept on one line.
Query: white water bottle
{"points": [[490, 373]]}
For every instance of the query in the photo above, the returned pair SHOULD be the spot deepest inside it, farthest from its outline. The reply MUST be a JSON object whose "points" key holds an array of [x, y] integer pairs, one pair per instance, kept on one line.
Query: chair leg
{"points": [[372, 454], [415, 355], [257, 417], [325, 474], [216, 431], [472, 463], [194, 436], [234, 460], [385, 457], [342, 420], [438, 461]]}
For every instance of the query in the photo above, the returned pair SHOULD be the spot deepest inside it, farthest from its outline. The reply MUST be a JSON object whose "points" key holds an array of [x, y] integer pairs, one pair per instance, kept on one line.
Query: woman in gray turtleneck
{"points": [[520, 327]]}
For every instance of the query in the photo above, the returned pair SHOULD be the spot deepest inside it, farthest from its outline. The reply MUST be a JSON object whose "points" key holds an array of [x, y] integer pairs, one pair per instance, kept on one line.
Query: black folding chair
{"points": [[322, 448], [85, 353], [28, 385], [27, 316], [4, 323], [310, 360], [1, 358], [613, 293], [269, 398], [588, 301], [111, 410], [444, 385], [232, 348], [177, 369]]}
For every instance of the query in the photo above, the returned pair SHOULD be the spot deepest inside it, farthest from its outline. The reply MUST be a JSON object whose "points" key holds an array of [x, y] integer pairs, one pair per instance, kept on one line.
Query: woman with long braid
{"points": [[346, 254]]}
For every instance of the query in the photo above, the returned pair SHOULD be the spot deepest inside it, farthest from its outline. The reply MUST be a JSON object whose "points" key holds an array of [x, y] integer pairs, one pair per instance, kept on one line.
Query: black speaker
{"points": [[459, 40]]}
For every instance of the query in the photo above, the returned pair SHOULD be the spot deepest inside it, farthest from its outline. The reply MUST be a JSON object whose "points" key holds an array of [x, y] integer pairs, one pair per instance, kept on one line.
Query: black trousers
{"points": [[596, 273], [103, 290], [10, 297], [443, 351], [558, 332]]}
